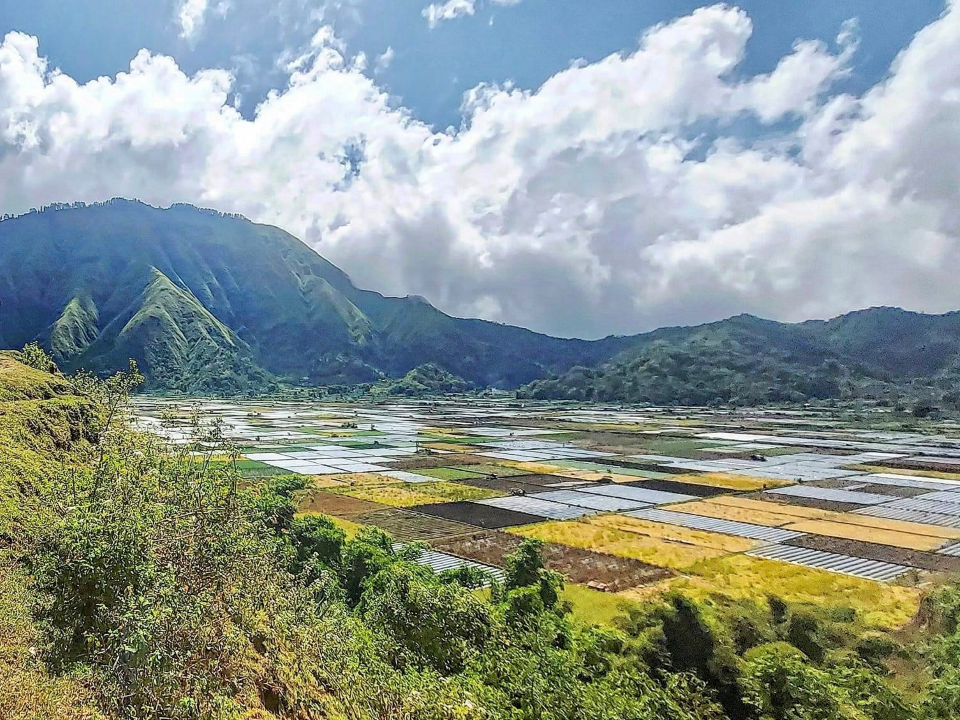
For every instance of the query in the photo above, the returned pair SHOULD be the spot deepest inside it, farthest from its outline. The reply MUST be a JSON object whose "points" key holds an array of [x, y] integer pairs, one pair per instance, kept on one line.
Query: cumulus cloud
{"points": [[587, 206], [436, 13]]}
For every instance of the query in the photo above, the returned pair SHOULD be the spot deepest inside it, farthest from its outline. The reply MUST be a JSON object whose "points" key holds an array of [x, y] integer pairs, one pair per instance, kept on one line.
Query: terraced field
{"points": [[631, 501]]}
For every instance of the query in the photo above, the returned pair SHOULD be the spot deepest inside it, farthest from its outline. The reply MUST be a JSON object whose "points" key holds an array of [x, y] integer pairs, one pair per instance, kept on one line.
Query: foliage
{"points": [[155, 583], [34, 356], [174, 289], [749, 361]]}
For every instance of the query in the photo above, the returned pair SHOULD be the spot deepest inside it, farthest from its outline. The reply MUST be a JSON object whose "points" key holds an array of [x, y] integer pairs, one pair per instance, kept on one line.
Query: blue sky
{"points": [[432, 68], [579, 167]]}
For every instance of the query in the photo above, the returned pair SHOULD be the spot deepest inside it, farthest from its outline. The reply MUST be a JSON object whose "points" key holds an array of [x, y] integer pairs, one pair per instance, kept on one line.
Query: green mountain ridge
{"points": [[881, 353], [212, 302], [208, 302]]}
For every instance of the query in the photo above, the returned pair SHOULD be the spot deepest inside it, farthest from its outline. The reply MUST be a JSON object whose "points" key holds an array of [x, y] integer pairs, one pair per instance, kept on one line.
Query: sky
{"points": [[579, 167]]}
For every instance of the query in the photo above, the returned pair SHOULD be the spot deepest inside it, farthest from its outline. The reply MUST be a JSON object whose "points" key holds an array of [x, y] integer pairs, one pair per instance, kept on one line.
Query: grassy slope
{"points": [[42, 424]]}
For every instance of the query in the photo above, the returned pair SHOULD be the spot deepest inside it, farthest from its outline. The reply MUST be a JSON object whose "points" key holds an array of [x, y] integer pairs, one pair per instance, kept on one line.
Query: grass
{"points": [[663, 531], [730, 481], [594, 607], [27, 692], [411, 494], [20, 382], [392, 495], [349, 527], [758, 512], [588, 606], [536, 468], [868, 534], [742, 576], [612, 541]]}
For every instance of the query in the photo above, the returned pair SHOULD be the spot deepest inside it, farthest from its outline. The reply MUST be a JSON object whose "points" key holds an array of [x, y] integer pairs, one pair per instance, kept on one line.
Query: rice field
{"points": [[654, 550], [740, 576], [673, 533], [602, 488]]}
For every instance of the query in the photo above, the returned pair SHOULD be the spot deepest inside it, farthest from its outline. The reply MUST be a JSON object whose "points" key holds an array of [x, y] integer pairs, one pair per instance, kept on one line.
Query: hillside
{"points": [[215, 303], [880, 353]]}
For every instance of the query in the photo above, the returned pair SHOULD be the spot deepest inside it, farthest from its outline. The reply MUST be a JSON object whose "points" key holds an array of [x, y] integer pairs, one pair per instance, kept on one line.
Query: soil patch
{"points": [[816, 503], [408, 526], [432, 461], [344, 506], [883, 553], [576, 564], [478, 515], [684, 488]]}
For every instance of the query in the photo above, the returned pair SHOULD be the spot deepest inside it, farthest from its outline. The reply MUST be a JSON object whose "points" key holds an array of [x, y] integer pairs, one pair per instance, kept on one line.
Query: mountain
{"points": [[208, 302], [882, 353], [212, 302]]}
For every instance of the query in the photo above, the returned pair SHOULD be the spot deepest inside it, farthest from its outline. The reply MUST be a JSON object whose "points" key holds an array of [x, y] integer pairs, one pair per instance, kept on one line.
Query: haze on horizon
{"points": [[576, 168]]}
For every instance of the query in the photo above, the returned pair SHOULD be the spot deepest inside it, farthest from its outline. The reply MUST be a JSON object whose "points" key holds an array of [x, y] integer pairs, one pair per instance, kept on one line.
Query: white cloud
{"points": [[191, 15], [384, 61], [587, 206], [436, 13]]}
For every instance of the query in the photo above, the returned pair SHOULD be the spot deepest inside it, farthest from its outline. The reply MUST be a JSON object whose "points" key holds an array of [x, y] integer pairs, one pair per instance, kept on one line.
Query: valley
{"points": [[814, 505]]}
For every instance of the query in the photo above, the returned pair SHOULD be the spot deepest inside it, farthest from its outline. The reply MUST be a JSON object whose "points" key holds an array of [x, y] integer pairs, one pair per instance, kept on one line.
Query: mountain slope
{"points": [[875, 353], [206, 301]]}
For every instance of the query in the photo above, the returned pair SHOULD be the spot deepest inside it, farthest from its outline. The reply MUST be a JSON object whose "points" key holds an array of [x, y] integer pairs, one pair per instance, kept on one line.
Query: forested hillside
{"points": [[885, 354], [142, 582], [213, 303]]}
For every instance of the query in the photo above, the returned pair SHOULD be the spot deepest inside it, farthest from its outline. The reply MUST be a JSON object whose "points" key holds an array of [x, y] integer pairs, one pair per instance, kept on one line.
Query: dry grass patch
{"points": [[911, 528], [731, 481], [532, 468], [361, 479], [324, 482], [410, 494], [392, 495], [868, 534], [656, 551], [27, 691], [742, 576], [758, 512], [663, 531]]}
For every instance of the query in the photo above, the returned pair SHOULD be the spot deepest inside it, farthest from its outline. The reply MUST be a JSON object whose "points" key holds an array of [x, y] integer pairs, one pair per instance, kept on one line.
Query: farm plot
{"points": [[407, 526], [330, 503], [683, 488], [881, 553], [812, 503], [866, 533], [478, 515], [742, 576], [612, 541], [407, 495], [510, 485], [576, 564], [729, 481], [491, 470]]}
